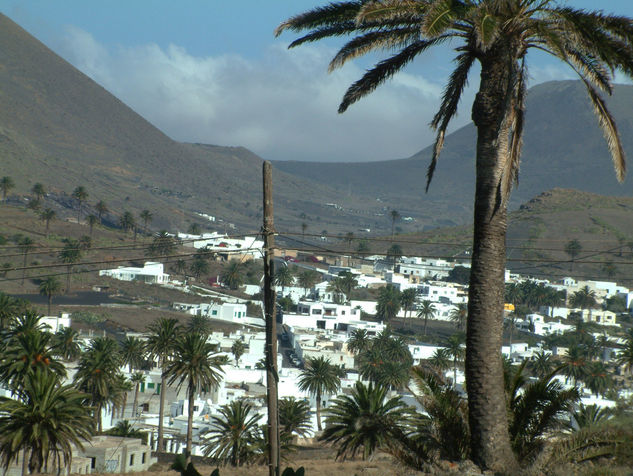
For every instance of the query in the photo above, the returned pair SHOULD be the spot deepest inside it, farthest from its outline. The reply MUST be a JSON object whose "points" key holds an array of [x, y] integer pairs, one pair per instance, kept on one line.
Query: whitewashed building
{"points": [[150, 273]]}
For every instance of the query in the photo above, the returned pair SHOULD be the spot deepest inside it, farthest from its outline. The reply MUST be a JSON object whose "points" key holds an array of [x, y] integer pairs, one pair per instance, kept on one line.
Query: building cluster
{"points": [[320, 324]]}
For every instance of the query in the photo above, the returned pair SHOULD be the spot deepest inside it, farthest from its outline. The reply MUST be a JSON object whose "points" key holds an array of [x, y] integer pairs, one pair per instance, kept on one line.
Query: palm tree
{"points": [[127, 221], [307, 279], [50, 287], [542, 364], [137, 378], [25, 352], [407, 300], [320, 377], [233, 434], [125, 429], [587, 416], [597, 378], [46, 420], [386, 362], [70, 254], [388, 304], [9, 309], [38, 190], [160, 343], [200, 324], [132, 350], [427, 310], [147, 217], [283, 277], [455, 348], [232, 276], [98, 376], [80, 194], [496, 35], [394, 253], [394, 217], [200, 265], [573, 249], [92, 220], [162, 245], [294, 417], [65, 344], [441, 360], [196, 364], [584, 298], [47, 215], [101, 207], [26, 245], [358, 341], [237, 349], [6, 184], [194, 229], [575, 364], [363, 421], [625, 358], [459, 315]]}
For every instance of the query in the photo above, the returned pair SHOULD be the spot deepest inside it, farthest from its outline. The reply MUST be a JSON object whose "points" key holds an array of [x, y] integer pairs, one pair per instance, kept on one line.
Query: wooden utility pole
{"points": [[272, 378]]}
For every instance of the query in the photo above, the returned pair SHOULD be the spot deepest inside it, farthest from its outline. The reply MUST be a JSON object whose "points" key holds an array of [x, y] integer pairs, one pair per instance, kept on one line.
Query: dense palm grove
{"points": [[548, 427]]}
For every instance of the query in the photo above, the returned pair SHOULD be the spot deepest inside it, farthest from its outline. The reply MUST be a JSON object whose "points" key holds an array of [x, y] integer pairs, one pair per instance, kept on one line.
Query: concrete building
{"points": [[113, 454], [150, 273]]}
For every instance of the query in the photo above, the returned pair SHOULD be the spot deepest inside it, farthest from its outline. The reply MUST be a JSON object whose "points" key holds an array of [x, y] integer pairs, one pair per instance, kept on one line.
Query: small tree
{"points": [[6, 185], [80, 194], [238, 349], [26, 245], [47, 215], [38, 191], [147, 217], [394, 217], [70, 254], [573, 249], [102, 208], [50, 287]]}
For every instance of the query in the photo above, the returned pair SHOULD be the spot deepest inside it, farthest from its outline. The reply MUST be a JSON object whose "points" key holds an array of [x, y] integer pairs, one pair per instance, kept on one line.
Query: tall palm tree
{"points": [[26, 245], [455, 347], [127, 221], [47, 215], [427, 310], [362, 421], [307, 279], [320, 377], [233, 434], [575, 364], [284, 277], [102, 208], [160, 343], [394, 253], [66, 345], [38, 190], [9, 309], [497, 35], [80, 194], [92, 220], [388, 304], [45, 421], [625, 358], [237, 349], [147, 217], [137, 378], [542, 364], [573, 249], [232, 275], [6, 185], [70, 254], [441, 360], [407, 300], [459, 315], [358, 341], [50, 287], [597, 378], [196, 364], [394, 215], [163, 244], [584, 298], [132, 350], [386, 362], [98, 376]]}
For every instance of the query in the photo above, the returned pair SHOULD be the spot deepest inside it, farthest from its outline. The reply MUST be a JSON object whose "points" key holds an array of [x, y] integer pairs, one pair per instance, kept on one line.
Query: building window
{"points": [[214, 312], [150, 385], [143, 458], [93, 463], [132, 460]]}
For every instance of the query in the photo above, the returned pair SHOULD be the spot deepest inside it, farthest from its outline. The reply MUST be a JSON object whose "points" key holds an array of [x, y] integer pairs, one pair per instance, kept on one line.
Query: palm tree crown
{"points": [[320, 377]]}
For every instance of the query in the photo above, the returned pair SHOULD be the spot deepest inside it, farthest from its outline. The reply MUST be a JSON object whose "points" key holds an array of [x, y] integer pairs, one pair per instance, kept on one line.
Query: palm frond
{"points": [[392, 10], [441, 16], [385, 70], [450, 100], [610, 130], [361, 45], [510, 173], [329, 15]]}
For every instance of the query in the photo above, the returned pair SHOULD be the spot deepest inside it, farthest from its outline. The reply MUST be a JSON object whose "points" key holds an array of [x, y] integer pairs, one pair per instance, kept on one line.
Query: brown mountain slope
{"points": [[60, 128]]}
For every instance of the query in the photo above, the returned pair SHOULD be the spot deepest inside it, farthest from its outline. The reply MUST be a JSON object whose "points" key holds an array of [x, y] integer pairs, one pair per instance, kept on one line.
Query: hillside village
{"points": [[326, 305]]}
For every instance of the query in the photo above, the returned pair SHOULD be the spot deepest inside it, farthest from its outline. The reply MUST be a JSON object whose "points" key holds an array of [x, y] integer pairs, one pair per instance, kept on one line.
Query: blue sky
{"points": [[211, 71]]}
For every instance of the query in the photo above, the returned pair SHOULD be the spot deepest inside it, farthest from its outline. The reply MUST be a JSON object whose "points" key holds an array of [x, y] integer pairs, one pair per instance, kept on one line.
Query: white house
{"points": [[150, 273]]}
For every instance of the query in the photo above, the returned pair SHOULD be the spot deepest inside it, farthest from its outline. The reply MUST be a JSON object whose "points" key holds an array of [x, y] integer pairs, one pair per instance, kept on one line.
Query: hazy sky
{"points": [[211, 71]]}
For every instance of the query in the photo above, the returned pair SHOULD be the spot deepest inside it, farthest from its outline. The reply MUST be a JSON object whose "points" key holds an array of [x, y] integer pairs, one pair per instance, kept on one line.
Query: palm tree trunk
{"points": [[318, 411], [490, 440], [189, 426], [135, 407], [161, 410]]}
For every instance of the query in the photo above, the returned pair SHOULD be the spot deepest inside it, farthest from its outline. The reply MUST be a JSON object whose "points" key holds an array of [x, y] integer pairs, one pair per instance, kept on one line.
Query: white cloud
{"points": [[281, 106]]}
